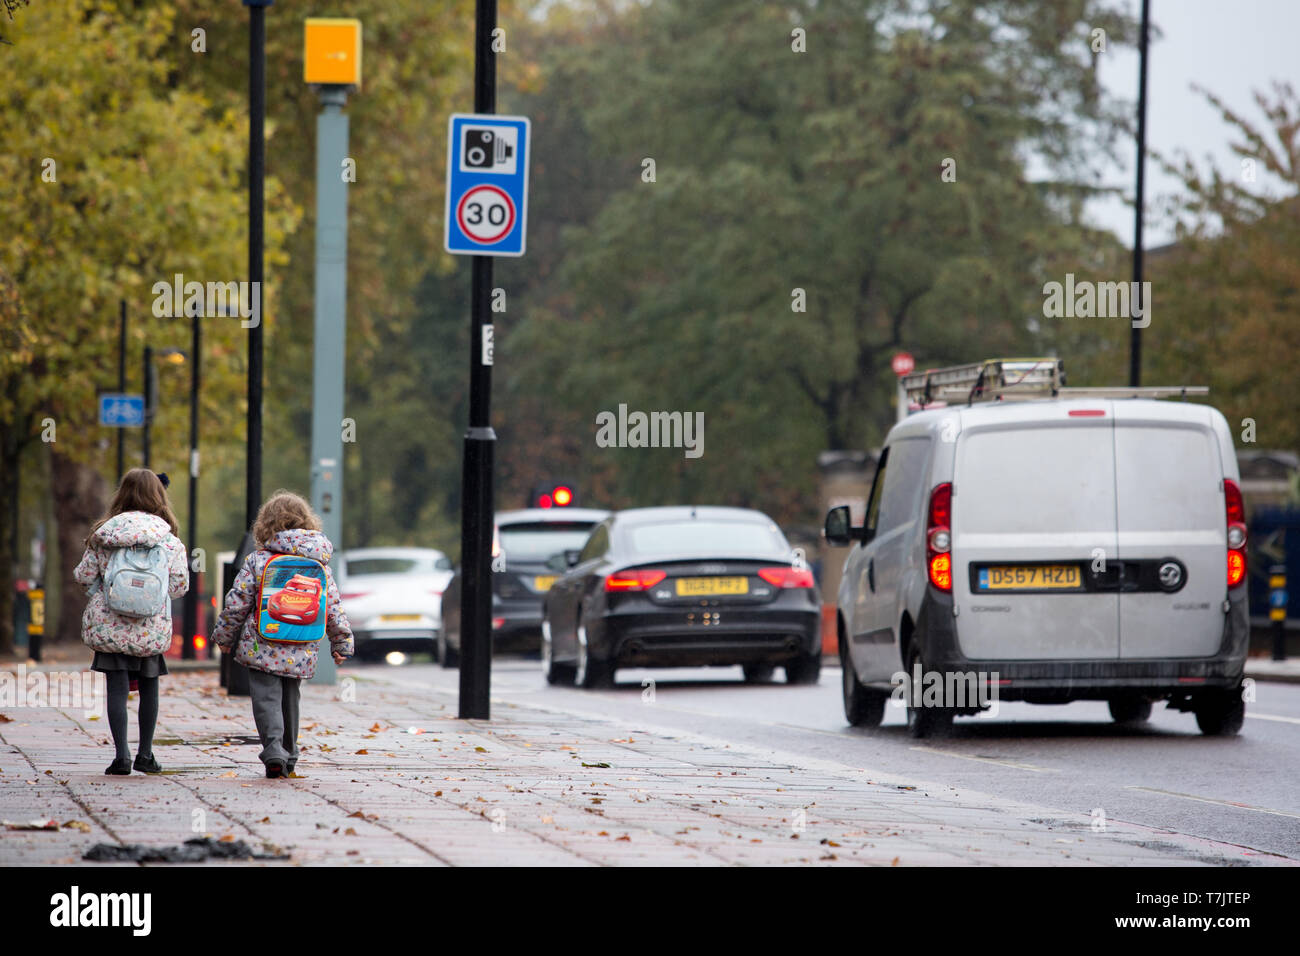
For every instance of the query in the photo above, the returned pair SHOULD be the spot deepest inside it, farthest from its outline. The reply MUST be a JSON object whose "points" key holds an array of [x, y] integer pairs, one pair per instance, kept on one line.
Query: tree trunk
{"points": [[9, 464], [80, 495]]}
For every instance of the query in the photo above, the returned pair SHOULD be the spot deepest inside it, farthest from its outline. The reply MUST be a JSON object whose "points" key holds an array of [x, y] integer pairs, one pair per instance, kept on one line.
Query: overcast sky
{"points": [[1230, 47]]}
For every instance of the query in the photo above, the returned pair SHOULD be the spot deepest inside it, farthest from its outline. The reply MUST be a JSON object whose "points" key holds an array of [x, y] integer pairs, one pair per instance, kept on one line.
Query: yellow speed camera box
{"points": [[333, 52]]}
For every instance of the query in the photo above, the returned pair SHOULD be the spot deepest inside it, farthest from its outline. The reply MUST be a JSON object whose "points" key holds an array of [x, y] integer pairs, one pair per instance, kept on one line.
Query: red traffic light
{"points": [[553, 494]]}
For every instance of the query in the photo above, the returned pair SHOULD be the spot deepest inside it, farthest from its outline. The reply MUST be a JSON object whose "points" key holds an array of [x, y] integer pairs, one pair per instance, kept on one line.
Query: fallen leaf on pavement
{"points": [[602, 764], [624, 839], [376, 728], [230, 773], [363, 751], [481, 750], [81, 825], [349, 832]]}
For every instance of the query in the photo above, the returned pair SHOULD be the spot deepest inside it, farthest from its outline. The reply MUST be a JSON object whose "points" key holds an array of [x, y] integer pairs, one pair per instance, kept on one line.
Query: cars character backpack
{"points": [[291, 600]]}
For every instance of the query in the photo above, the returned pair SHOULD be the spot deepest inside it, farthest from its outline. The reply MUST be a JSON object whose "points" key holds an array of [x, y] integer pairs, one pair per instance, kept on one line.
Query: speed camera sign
{"points": [[487, 185]]}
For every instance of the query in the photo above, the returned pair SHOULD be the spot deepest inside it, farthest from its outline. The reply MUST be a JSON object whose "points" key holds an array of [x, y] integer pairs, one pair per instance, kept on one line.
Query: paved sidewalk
{"points": [[530, 787]]}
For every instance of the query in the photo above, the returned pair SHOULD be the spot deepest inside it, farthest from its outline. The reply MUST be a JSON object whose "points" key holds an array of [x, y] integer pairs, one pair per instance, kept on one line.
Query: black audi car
{"points": [[681, 586], [527, 556]]}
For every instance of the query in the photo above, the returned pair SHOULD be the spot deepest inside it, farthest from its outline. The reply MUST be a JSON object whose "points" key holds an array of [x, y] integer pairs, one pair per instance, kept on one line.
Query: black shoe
{"points": [[147, 764], [120, 767], [275, 768]]}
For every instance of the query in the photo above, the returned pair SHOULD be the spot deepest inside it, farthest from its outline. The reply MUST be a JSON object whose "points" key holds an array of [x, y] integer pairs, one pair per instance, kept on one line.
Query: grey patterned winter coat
{"points": [[104, 629], [238, 622]]}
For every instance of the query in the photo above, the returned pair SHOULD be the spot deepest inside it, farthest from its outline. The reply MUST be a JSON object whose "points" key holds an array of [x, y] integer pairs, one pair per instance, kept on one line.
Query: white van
{"points": [[1047, 550]]}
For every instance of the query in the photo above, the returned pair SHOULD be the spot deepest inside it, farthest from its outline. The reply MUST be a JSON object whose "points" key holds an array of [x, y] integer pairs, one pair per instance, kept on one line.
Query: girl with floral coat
{"points": [[131, 648], [285, 525]]}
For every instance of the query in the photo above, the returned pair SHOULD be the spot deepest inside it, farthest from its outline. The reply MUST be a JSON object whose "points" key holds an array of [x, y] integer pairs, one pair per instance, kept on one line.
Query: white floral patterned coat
{"points": [[239, 623], [103, 628]]}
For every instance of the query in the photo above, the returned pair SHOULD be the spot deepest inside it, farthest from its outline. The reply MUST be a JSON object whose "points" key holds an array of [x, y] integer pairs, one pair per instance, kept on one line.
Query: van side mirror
{"points": [[839, 527], [571, 556]]}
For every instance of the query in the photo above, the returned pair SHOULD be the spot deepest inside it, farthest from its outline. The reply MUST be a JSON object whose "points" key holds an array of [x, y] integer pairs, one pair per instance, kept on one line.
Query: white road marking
{"points": [[992, 760], [1222, 803], [1277, 717]]}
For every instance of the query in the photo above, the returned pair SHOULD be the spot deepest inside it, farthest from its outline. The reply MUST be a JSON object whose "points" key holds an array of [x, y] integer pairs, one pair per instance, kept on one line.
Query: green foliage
{"points": [[778, 171]]}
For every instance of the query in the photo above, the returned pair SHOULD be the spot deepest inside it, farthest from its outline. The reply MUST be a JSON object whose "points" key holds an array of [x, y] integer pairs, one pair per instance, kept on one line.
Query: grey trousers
{"points": [[275, 711]]}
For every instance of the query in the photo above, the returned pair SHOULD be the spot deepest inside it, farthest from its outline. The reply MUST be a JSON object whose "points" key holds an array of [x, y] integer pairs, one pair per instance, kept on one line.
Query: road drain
{"points": [[235, 740]]}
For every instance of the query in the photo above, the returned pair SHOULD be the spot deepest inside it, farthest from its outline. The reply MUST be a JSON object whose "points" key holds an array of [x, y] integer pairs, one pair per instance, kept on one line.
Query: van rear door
{"points": [[1169, 485], [1034, 489]]}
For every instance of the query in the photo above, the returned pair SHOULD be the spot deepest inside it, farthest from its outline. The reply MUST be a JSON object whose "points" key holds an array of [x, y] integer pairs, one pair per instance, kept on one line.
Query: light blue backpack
{"points": [[135, 581]]}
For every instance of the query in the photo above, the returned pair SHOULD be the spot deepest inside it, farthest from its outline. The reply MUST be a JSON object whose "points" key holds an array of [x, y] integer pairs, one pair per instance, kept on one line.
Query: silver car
{"points": [[393, 597], [1048, 551]]}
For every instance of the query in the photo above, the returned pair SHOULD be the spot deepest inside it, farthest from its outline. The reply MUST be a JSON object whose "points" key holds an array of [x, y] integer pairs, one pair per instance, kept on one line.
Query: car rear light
{"points": [[200, 643], [352, 594], [938, 537], [1235, 512], [498, 623], [1087, 412], [640, 580], [787, 577]]}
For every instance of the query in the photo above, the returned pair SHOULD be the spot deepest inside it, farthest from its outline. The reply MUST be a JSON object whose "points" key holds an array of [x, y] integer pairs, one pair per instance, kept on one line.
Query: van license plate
{"points": [[1039, 577], [700, 587]]}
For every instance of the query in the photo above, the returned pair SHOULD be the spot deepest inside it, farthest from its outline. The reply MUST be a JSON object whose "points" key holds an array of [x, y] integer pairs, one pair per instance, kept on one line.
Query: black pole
{"points": [[121, 384], [476, 479], [190, 615], [148, 400], [236, 674], [256, 179], [1135, 333]]}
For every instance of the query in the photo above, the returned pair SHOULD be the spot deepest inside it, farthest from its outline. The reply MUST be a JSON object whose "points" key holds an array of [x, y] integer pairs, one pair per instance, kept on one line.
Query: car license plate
{"points": [[399, 617], [1040, 577], [703, 587], [543, 582]]}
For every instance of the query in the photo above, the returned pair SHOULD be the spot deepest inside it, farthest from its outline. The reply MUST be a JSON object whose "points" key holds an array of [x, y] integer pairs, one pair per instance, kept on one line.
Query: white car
{"points": [[393, 597], [1058, 549]]}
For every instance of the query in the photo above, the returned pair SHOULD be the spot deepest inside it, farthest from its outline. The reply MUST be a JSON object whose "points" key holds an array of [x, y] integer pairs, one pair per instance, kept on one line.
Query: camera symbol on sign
{"points": [[488, 149]]}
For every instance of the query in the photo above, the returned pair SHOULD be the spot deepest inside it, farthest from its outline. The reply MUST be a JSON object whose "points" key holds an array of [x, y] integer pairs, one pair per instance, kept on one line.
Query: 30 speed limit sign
{"points": [[487, 185], [486, 214]]}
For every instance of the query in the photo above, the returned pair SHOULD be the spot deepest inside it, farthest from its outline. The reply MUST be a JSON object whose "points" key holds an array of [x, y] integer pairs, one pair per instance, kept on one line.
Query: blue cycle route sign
{"points": [[121, 411], [487, 185]]}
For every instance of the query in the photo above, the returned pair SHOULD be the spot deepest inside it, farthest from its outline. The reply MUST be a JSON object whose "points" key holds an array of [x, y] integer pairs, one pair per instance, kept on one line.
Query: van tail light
{"points": [[938, 537], [635, 580], [786, 577], [1235, 509]]}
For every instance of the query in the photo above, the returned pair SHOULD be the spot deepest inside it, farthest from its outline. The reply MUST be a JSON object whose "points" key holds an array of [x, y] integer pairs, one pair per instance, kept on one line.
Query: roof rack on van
{"points": [[997, 380]]}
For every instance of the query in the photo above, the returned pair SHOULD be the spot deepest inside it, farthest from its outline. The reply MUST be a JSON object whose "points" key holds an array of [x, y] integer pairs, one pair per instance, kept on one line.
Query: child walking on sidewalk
{"points": [[283, 602], [134, 564]]}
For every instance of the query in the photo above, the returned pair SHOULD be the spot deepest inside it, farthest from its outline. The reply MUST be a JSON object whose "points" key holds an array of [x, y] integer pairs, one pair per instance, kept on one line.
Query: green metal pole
{"points": [[331, 324]]}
